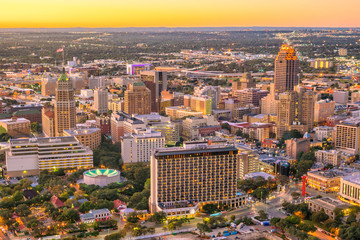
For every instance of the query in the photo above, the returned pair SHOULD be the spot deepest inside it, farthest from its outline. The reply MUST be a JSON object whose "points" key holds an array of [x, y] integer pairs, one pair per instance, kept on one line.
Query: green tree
{"points": [[158, 217], [226, 126], [133, 217], [351, 218], [203, 228], [4, 137], [5, 217], [210, 208], [23, 210], [320, 216], [293, 219], [308, 156], [18, 196], [307, 226], [239, 133], [86, 207], [350, 232], [274, 221], [36, 127], [261, 193], [115, 236], [263, 215], [70, 215]]}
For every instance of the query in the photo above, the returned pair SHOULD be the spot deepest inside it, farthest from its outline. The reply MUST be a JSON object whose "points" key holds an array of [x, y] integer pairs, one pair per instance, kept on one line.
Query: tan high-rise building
{"points": [[285, 113], [355, 97], [332, 157], [137, 99], [48, 85], [201, 104], [90, 137], [248, 160], [48, 121], [295, 146], [16, 127], [65, 109], [286, 69], [185, 178], [250, 96], [295, 111], [101, 100], [347, 136], [246, 81], [323, 110], [269, 104]]}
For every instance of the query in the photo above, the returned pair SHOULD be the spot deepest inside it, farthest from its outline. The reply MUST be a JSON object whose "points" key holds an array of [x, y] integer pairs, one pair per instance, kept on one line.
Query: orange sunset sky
{"points": [[178, 13]]}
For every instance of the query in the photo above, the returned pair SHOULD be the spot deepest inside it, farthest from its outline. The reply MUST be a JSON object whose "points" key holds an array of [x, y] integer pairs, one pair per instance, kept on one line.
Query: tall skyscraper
{"points": [[295, 111], [156, 81], [286, 69], [137, 99], [65, 109], [101, 100]]}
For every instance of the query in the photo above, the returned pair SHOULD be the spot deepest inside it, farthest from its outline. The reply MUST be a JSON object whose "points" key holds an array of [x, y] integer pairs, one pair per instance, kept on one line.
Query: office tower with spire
{"points": [[65, 109], [286, 69]]}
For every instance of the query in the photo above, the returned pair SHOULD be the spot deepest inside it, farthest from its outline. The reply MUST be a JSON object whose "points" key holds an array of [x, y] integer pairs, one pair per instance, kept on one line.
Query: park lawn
{"points": [[2, 130]]}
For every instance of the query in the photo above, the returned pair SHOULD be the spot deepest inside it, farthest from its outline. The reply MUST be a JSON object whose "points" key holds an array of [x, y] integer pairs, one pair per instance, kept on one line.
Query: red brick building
{"points": [[32, 115], [208, 130], [104, 124]]}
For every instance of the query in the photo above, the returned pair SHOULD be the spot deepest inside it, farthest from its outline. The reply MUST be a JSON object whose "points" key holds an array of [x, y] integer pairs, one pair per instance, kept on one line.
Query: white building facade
{"points": [[139, 146]]}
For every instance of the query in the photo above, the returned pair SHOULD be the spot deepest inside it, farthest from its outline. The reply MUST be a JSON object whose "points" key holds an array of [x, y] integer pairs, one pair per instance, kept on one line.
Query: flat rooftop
{"points": [[351, 121], [200, 149], [329, 202], [81, 131], [43, 140], [335, 172], [354, 178], [14, 120]]}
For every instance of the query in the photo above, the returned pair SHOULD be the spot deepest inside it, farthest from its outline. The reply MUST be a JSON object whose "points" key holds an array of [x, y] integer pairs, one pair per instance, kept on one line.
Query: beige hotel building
{"points": [[183, 179], [347, 136]]}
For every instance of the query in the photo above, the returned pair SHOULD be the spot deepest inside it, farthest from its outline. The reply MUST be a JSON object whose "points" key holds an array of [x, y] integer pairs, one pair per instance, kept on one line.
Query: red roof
{"points": [[57, 202], [119, 204]]}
